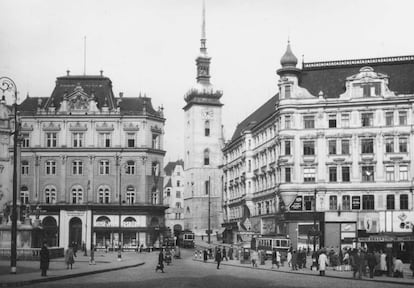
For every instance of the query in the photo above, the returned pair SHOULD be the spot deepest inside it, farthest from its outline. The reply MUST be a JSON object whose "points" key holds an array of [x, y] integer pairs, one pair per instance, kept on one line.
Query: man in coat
{"points": [[372, 262], [218, 257], [323, 262], [44, 259], [357, 263], [160, 265]]}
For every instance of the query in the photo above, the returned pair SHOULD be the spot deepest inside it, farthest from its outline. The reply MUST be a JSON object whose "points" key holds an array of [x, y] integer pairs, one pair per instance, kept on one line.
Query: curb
{"points": [[313, 275], [62, 277]]}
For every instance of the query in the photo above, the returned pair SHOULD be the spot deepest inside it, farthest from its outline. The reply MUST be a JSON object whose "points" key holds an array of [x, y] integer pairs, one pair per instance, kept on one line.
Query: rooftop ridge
{"points": [[336, 63]]}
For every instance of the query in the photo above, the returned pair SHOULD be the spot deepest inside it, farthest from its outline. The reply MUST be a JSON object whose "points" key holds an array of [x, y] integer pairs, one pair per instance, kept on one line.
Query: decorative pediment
{"points": [[131, 127], [78, 127], [104, 127], [78, 99], [26, 127], [51, 127], [156, 129]]}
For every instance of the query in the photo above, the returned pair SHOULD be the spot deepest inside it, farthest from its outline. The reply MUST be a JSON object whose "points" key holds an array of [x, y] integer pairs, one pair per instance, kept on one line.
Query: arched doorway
{"points": [[75, 231], [50, 231]]}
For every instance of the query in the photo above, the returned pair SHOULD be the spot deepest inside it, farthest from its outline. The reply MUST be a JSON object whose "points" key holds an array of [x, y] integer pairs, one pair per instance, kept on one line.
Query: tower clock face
{"points": [[207, 114]]}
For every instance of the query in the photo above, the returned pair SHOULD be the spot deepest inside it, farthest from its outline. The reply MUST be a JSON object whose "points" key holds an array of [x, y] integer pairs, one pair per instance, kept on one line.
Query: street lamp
{"points": [[8, 85], [125, 166]]}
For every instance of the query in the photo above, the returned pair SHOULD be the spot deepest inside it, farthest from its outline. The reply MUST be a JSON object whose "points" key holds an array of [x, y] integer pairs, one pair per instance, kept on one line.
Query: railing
{"points": [[358, 61], [31, 253]]}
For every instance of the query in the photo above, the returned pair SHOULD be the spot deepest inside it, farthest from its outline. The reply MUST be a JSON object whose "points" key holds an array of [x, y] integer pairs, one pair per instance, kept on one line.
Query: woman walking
{"points": [[69, 257]]}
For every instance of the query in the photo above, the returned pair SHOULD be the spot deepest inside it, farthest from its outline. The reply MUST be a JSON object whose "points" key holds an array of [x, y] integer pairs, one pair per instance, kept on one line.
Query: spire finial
{"points": [[203, 48]]}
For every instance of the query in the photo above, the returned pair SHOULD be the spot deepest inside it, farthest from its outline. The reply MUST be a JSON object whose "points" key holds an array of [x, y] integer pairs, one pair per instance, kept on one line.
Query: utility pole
{"points": [[208, 220]]}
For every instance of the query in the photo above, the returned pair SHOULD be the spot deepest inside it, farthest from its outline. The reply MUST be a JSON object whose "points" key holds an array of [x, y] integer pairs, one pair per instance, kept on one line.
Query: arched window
{"points": [[130, 194], [154, 196], [206, 157], [130, 167], [77, 194], [104, 195], [207, 128], [24, 195], [50, 195]]}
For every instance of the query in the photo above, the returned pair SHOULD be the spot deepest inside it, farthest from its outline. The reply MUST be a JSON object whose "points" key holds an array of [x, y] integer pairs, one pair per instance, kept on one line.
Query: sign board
{"points": [[297, 204]]}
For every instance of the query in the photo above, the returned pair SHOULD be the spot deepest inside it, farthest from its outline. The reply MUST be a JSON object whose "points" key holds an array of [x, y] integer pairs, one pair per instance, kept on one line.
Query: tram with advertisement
{"points": [[268, 243], [186, 239]]}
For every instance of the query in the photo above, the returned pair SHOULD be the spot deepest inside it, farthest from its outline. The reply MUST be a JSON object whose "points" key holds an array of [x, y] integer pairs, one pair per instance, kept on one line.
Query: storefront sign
{"points": [[75, 213], [297, 204], [268, 226]]}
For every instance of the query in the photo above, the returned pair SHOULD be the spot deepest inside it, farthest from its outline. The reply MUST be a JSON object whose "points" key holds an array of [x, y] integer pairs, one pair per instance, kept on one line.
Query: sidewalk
{"points": [[28, 272], [407, 280]]}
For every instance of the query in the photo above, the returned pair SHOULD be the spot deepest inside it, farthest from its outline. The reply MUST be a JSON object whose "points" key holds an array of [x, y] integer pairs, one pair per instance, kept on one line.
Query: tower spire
{"points": [[203, 48]]}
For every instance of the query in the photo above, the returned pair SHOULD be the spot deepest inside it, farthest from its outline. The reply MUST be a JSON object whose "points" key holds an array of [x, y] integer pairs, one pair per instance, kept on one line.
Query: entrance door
{"points": [[75, 231]]}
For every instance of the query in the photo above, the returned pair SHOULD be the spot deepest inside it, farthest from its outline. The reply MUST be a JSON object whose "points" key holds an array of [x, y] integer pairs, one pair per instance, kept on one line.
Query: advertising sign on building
{"points": [[268, 226], [297, 204]]}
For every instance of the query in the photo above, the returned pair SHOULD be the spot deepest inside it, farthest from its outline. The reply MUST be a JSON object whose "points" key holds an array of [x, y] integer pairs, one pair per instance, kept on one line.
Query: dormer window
{"points": [[371, 89]]}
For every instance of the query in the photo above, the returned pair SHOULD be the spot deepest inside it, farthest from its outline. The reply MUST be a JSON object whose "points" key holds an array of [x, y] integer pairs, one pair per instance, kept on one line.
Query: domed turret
{"points": [[288, 59]]}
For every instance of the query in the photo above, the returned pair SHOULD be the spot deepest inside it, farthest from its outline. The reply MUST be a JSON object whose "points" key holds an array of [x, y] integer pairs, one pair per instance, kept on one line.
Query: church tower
{"points": [[203, 142]]}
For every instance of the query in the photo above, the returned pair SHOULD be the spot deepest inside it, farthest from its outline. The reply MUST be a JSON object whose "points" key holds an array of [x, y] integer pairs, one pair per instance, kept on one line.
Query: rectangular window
{"points": [[25, 141], [287, 147], [333, 202], [309, 121], [178, 194], [206, 187], [51, 140], [104, 167], [390, 202], [389, 145], [50, 167], [389, 173], [402, 115], [346, 202], [288, 174], [403, 202], [402, 145], [367, 119], [389, 118], [403, 173], [131, 140], [77, 140], [156, 141], [367, 145], [250, 166], [332, 147], [346, 175], [105, 140], [332, 174], [25, 167], [288, 122], [356, 202], [308, 147], [288, 90], [332, 121], [367, 173], [345, 147], [77, 167], [130, 168], [368, 202], [345, 120], [308, 203], [309, 174]]}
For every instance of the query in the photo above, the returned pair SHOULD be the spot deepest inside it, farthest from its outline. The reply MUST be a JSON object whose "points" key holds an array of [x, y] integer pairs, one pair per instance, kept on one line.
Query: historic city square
{"points": [[206, 143]]}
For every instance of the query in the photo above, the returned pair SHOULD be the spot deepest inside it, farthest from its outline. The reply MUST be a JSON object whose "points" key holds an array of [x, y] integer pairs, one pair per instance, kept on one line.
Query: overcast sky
{"points": [[151, 46]]}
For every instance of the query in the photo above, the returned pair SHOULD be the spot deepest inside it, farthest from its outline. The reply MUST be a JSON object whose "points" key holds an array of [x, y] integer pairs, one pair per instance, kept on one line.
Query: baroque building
{"points": [[174, 196], [332, 149], [203, 142], [91, 165]]}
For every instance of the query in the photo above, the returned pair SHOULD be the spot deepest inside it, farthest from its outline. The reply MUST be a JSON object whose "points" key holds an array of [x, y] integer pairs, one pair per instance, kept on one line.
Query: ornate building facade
{"points": [[203, 141], [91, 165], [174, 196], [338, 138]]}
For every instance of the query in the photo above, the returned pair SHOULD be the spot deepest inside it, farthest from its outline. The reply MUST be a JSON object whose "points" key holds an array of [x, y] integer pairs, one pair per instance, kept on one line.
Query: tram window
{"points": [[284, 243], [278, 243]]}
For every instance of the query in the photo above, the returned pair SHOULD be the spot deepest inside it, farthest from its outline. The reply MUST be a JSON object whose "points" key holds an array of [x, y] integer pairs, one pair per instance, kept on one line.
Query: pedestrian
{"points": [[346, 260], [141, 248], [160, 265], [255, 258], [218, 257], [294, 260], [231, 252], [323, 262], [205, 255], [44, 259], [303, 257], [356, 263], [377, 270], [275, 258], [69, 260], [75, 248], [383, 263], [289, 258], [388, 259], [372, 262], [398, 267], [225, 254]]}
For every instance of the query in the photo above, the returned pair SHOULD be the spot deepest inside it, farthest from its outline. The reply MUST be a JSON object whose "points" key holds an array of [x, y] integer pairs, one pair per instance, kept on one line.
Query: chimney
{"points": [[67, 72], [101, 73]]}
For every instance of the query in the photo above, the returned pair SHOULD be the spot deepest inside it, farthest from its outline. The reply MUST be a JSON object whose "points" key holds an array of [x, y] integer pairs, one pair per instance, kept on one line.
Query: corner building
{"points": [[92, 164], [340, 142]]}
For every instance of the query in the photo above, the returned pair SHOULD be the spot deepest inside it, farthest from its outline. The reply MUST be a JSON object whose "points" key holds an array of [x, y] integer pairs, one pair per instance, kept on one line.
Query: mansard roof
{"points": [[169, 168], [330, 77], [262, 113]]}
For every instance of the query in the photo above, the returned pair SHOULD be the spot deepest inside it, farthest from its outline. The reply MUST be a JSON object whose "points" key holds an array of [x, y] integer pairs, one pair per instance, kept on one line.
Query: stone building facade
{"points": [[91, 165]]}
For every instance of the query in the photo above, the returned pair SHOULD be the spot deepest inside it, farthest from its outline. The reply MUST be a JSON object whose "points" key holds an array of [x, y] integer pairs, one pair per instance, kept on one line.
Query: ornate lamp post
{"points": [[8, 85]]}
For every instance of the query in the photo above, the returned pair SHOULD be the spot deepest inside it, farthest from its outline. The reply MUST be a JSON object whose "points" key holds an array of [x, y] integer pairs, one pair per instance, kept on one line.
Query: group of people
{"points": [[296, 259], [165, 255]]}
